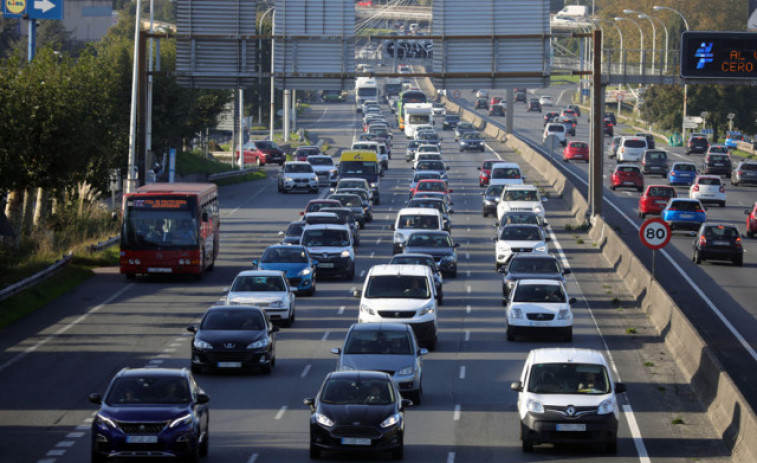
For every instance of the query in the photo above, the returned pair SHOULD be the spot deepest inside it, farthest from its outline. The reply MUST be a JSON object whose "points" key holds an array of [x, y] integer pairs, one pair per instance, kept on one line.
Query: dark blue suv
{"points": [[151, 412]]}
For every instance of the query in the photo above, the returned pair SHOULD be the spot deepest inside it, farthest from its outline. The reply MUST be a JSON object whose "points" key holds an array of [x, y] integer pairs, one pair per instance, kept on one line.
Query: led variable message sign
{"points": [[718, 55]]}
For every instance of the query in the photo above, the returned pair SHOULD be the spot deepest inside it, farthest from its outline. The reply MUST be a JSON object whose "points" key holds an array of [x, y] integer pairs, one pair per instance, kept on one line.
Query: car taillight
{"points": [[695, 188], [738, 242], [702, 240], [722, 189], [739, 172]]}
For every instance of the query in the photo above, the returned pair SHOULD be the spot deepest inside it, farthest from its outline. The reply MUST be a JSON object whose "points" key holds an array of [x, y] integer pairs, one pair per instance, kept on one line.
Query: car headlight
{"points": [[406, 371], [534, 406], [374, 184], [538, 209], [304, 272], [277, 304], [288, 179], [427, 309], [392, 420], [345, 253], [202, 345], [448, 258], [399, 238], [503, 247], [260, 344], [563, 314], [324, 420], [367, 309], [101, 419], [333, 171], [516, 313], [541, 247], [488, 202], [606, 407], [182, 420]]}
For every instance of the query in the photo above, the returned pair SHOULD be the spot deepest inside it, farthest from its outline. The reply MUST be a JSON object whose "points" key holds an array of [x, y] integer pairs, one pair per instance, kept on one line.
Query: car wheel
{"points": [[696, 258], [612, 187], [288, 322], [722, 204], [440, 299], [193, 456], [350, 275], [278, 186], [310, 292], [267, 369], [378, 200], [196, 369], [315, 452], [205, 445], [508, 332], [642, 215], [432, 344], [739, 262], [417, 396], [611, 446], [97, 458], [734, 183], [398, 453], [484, 213], [527, 445], [131, 276], [569, 336]]}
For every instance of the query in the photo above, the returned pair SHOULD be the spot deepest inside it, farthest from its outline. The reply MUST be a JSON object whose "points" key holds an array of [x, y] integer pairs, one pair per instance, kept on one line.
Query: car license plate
{"points": [[571, 427], [687, 216], [229, 364], [356, 441], [538, 323], [654, 167], [721, 243], [661, 202], [141, 439], [158, 270], [628, 183], [325, 265], [717, 164]]}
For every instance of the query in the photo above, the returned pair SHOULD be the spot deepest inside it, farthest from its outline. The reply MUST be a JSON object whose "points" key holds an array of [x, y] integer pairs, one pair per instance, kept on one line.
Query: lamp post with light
{"points": [[641, 34], [641, 15], [665, 28]]}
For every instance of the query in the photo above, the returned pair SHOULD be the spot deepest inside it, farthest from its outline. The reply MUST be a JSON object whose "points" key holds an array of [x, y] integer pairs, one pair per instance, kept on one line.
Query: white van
{"points": [[506, 173], [568, 395], [415, 115], [631, 149], [401, 294], [410, 219], [365, 89]]}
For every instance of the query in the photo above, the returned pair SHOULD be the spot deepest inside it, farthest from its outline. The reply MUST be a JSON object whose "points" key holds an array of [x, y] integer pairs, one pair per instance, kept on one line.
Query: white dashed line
{"points": [[467, 288], [467, 307], [325, 336], [55, 453], [280, 413], [451, 457], [65, 443], [456, 413], [462, 372], [341, 310], [373, 253], [305, 371], [467, 255], [169, 349], [467, 273], [253, 458], [74, 435], [467, 335], [378, 241], [362, 272]]}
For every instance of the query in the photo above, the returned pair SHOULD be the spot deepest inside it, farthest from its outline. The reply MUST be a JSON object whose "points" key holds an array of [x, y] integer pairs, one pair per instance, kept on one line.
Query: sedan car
{"points": [[472, 141], [438, 244], [234, 337], [294, 261], [293, 233], [531, 266], [626, 176], [412, 145], [682, 173], [751, 220], [576, 150], [708, 189], [357, 411], [684, 214], [491, 199], [745, 172], [388, 347], [450, 121], [718, 242], [518, 238], [461, 128], [539, 308], [267, 289], [297, 175], [162, 409], [655, 198]]}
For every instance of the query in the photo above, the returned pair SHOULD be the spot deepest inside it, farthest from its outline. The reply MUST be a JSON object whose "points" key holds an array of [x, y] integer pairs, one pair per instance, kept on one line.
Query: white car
{"points": [[324, 168], [426, 156], [505, 173], [708, 189], [545, 100], [482, 94], [297, 175], [267, 289], [518, 238], [519, 198], [554, 129], [539, 308]]}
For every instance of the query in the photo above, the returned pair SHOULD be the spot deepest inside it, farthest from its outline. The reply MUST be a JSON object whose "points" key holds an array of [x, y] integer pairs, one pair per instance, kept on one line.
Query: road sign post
{"points": [[655, 234]]}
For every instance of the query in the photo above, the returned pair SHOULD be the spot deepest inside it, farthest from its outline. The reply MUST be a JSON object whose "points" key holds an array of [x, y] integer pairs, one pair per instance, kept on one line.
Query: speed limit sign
{"points": [[654, 233]]}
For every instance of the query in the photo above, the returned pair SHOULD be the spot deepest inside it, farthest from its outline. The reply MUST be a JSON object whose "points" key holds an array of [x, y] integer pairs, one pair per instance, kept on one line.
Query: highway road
{"points": [[718, 297], [51, 360]]}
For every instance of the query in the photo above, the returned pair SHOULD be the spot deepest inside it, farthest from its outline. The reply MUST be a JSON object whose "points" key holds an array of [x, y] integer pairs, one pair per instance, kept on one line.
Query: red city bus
{"points": [[170, 228]]}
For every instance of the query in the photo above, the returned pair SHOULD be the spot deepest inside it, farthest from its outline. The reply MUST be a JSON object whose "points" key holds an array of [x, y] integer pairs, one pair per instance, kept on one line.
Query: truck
{"points": [[365, 89], [574, 11], [415, 114], [392, 87]]}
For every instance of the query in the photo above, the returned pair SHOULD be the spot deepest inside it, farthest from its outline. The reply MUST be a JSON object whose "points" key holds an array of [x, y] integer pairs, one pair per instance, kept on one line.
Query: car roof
{"points": [[328, 226], [688, 200], [261, 273], [398, 269], [505, 164], [538, 281], [417, 210], [524, 186], [380, 326], [567, 355], [298, 163], [151, 371], [682, 163], [533, 255], [708, 176], [359, 374]]}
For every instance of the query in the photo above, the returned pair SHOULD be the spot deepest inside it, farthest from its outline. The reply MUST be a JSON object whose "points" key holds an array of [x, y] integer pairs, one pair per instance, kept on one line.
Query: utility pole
{"points": [[596, 156]]}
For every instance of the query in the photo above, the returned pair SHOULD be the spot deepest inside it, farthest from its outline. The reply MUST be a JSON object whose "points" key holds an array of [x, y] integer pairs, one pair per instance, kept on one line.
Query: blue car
{"points": [[684, 214], [162, 410], [682, 173], [295, 261]]}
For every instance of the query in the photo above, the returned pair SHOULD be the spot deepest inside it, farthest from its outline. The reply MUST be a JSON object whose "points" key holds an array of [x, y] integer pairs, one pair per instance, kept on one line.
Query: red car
{"points": [[576, 150], [262, 151], [627, 176], [654, 200], [751, 221], [437, 186], [302, 153], [316, 205], [495, 100], [486, 172]]}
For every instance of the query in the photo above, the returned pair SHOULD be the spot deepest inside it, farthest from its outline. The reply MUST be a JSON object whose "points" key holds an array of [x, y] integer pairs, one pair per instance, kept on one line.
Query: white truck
{"points": [[416, 114], [365, 89], [577, 12]]}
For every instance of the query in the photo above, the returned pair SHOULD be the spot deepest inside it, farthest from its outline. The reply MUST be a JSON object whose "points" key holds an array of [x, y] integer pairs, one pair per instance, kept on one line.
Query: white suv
{"points": [[519, 198], [556, 130], [401, 294], [539, 307], [518, 238], [294, 175], [568, 396], [708, 189]]}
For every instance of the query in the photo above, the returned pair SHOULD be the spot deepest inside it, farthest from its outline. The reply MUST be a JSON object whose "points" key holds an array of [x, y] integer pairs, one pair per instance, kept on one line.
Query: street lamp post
{"points": [[273, 88], [685, 85], [665, 28], [260, 65], [620, 33], [641, 34], [641, 15]]}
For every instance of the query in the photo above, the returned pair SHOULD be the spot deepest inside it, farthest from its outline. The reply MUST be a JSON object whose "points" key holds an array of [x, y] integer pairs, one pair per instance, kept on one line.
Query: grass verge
{"points": [[36, 297], [241, 178], [196, 163]]}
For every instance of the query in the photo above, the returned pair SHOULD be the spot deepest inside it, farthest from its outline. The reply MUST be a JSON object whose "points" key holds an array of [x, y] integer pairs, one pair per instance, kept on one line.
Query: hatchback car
{"points": [[324, 169], [303, 152], [684, 214], [631, 149], [162, 409], [545, 100], [626, 176], [293, 233], [294, 261], [461, 128], [388, 347], [608, 129], [539, 308], [234, 337], [438, 244], [481, 103], [531, 266], [718, 242], [332, 246], [733, 138], [682, 173], [357, 411], [751, 220], [428, 261], [550, 117], [518, 238], [267, 289], [485, 172], [697, 145], [708, 189], [556, 130], [575, 150], [717, 164], [534, 106], [472, 141], [744, 173], [491, 199], [654, 199], [717, 148], [611, 116], [497, 109], [655, 161], [450, 121]]}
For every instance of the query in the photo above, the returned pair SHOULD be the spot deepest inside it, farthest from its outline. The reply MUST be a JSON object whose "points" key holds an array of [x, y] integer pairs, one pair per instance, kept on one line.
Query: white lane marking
{"points": [[55, 453], [341, 310], [451, 457], [253, 458], [65, 443], [84, 427], [373, 253], [65, 328], [467, 255], [467, 273], [387, 217], [46, 460], [305, 371], [456, 413], [74, 435], [378, 241], [467, 335], [467, 308], [280, 413], [362, 272], [628, 411], [325, 110], [325, 336], [467, 289], [155, 362], [169, 349], [462, 372]]}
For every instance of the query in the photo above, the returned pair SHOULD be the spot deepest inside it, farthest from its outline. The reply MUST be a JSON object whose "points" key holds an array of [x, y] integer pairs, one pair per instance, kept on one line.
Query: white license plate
{"points": [[654, 167], [229, 364], [662, 202], [717, 164], [571, 427], [355, 441], [628, 183], [540, 323], [687, 216], [325, 265], [721, 243], [158, 270], [141, 439]]}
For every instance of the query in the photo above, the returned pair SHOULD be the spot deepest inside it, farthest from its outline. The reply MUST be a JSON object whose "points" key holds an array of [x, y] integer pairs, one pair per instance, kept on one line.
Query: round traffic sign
{"points": [[456, 94], [619, 96], [654, 233]]}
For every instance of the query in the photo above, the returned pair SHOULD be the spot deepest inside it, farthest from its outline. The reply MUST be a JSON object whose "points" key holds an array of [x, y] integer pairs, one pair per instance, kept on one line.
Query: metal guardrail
{"points": [[93, 248], [233, 173], [36, 278]]}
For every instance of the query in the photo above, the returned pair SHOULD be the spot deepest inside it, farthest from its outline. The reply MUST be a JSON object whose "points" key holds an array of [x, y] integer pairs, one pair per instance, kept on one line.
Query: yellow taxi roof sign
{"points": [[359, 155]]}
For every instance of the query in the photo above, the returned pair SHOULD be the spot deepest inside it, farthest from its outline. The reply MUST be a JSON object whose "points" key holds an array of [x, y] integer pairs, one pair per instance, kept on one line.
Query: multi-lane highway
{"points": [[52, 359]]}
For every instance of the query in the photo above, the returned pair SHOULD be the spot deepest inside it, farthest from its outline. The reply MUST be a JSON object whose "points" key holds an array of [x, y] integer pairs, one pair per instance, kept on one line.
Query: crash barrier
{"points": [[36, 278]]}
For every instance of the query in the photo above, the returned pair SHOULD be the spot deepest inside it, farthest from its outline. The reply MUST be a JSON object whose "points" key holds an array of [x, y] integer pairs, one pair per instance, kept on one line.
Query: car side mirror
{"points": [[405, 403], [746, 211], [274, 329], [192, 328], [572, 300], [422, 351], [478, 168], [516, 386], [567, 271], [547, 239], [95, 398], [336, 350], [254, 263], [457, 245], [310, 402], [203, 398], [302, 213], [281, 233], [451, 191], [314, 263], [620, 388], [357, 293]]}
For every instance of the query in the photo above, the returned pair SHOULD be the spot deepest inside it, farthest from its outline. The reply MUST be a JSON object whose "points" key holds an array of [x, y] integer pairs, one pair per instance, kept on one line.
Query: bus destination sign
{"points": [[718, 55], [159, 203]]}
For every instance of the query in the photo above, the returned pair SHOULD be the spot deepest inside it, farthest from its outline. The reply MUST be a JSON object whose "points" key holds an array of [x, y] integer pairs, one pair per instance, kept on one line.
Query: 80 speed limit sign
{"points": [[654, 233]]}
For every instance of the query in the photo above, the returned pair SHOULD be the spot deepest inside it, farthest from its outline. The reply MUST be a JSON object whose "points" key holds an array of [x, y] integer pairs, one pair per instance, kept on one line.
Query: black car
{"points": [[520, 95], [461, 128], [293, 233], [472, 141], [428, 261], [717, 164], [450, 121], [234, 337], [607, 128], [357, 411], [531, 266], [550, 117], [718, 242], [650, 139], [611, 117], [497, 109], [482, 103], [437, 243], [354, 203], [570, 126], [697, 144], [491, 199], [162, 410], [534, 106]]}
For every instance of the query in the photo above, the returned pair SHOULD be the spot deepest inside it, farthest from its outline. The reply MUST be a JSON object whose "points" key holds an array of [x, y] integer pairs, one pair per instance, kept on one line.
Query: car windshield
{"points": [[494, 190], [427, 202], [378, 342], [295, 229], [579, 145], [526, 218], [516, 233], [400, 259], [661, 192], [266, 145], [628, 169], [351, 184], [431, 165], [398, 287], [430, 240], [326, 237], [544, 293], [348, 200], [155, 389], [431, 186], [709, 181], [232, 320], [685, 167], [318, 161], [284, 254], [246, 283], [568, 378], [471, 136], [520, 195], [657, 155], [634, 143], [298, 168], [357, 392], [686, 206], [359, 192], [505, 172], [530, 265], [418, 221], [426, 176]]}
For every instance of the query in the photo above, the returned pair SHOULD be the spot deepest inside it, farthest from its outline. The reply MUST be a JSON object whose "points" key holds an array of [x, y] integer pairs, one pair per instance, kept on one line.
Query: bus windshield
{"points": [[358, 167], [160, 223]]}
